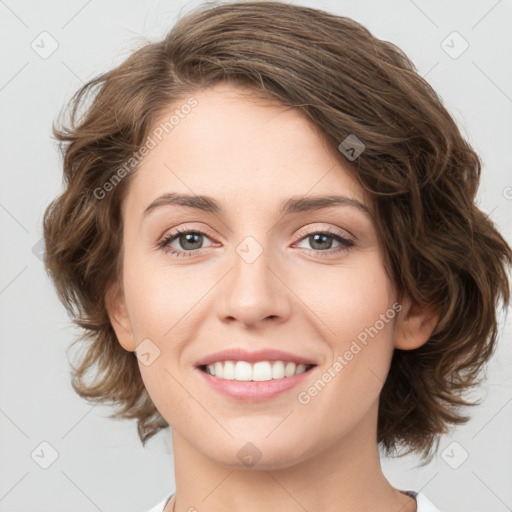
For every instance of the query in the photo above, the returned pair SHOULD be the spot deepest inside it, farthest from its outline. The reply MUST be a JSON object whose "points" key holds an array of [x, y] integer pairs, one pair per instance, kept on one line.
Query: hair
{"points": [[439, 248]]}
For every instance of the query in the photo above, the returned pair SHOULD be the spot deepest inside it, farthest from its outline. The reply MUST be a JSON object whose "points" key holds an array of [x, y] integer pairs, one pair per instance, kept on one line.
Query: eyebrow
{"points": [[296, 204]]}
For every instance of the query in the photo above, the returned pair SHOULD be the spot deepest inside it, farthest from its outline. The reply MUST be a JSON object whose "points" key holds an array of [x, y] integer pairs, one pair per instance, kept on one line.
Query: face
{"points": [[261, 271]]}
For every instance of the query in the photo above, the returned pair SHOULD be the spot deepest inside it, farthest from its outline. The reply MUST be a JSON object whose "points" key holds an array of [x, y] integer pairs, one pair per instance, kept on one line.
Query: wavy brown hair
{"points": [[422, 175]]}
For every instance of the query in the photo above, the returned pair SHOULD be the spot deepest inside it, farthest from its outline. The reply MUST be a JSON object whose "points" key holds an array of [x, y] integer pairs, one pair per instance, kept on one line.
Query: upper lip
{"points": [[240, 354]]}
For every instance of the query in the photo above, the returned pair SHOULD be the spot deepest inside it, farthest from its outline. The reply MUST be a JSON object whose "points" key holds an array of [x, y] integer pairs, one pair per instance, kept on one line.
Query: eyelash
{"points": [[346, 243]]}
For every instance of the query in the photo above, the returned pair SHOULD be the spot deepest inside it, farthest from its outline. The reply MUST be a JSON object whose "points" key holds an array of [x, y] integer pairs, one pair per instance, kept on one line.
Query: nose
{"points": [[255, 288]]}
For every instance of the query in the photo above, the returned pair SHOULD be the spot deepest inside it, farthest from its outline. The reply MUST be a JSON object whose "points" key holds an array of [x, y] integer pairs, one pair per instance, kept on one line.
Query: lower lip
{"points": [[254, 391]]}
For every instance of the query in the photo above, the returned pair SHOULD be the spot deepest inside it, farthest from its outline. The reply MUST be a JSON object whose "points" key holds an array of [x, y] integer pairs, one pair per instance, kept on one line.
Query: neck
{"points": [[342, 475]]}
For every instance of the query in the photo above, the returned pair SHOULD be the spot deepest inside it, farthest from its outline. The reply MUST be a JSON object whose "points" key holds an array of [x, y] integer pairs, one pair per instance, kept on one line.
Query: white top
{"points": [[422, 503]]}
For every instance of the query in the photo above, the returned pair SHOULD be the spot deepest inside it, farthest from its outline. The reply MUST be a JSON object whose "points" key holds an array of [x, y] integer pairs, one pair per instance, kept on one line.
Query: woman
{"points": [[269, 235]]}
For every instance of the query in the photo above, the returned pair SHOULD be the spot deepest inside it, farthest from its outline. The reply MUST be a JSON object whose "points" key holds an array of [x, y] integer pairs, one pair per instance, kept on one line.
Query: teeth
{"points": [[260, 371]]}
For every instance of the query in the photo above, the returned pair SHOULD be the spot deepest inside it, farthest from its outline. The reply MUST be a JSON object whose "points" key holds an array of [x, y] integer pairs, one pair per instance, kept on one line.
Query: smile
{"points": [[258, 371], [246, 387]]}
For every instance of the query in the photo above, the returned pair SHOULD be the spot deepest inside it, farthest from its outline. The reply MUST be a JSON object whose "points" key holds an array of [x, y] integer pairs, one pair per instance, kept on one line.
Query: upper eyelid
{"points": [[331, 230]]}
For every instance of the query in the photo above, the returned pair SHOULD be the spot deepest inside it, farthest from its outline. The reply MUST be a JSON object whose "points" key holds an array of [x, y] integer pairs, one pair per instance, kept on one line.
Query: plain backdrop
{"points": [[48, 49]]}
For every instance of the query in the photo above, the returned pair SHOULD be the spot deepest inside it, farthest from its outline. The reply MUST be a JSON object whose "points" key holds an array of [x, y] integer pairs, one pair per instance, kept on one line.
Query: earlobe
{"points": [[118, 315], [414, 325]]}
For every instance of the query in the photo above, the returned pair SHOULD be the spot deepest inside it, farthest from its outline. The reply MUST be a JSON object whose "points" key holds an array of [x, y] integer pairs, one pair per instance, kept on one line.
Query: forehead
{"points": [[242, 149]]}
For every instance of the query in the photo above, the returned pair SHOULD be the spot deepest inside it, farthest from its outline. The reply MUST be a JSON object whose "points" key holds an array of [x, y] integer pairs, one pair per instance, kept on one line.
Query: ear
{"points": [[118, 314], [414, 325]]}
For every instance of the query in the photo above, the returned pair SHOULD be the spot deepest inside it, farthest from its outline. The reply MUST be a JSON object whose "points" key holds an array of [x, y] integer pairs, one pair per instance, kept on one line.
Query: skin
{"points": [[250, 155]]}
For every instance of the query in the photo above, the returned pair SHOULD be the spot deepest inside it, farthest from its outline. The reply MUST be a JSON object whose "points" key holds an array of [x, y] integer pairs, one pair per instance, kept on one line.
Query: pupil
{"points": [[315, 241], [189, 239]]}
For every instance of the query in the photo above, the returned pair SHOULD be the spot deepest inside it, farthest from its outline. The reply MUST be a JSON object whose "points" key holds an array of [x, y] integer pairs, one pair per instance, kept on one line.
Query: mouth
{"points": [[244, 371], [240, 383]]}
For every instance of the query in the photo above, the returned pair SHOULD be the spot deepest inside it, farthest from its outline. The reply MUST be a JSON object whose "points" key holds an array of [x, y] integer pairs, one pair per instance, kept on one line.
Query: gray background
{"points": [[101, 464]]}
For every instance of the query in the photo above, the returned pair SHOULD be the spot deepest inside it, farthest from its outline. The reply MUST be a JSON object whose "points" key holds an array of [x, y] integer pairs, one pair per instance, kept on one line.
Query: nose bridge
{"points": [[253, 292]]}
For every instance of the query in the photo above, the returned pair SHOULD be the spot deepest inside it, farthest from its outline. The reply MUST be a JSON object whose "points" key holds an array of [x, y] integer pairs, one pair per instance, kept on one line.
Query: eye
{"points": [[189, 240], [321, 241]]}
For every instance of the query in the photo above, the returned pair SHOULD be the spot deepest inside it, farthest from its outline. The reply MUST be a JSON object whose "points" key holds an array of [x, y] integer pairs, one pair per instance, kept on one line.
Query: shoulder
{"points": [[160, 506], [423, 504]]}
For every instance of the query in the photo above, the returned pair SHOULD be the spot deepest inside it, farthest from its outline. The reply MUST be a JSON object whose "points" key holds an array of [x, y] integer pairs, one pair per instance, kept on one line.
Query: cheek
{"points": [[158, 297], [358, 309], [348, 299]]}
